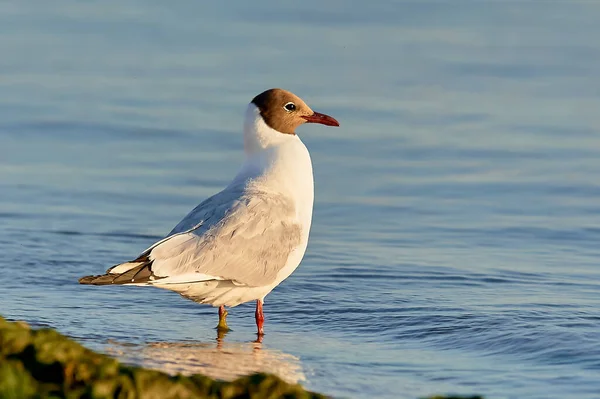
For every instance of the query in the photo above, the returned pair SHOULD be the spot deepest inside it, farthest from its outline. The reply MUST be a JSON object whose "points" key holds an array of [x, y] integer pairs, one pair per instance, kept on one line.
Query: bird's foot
{"points": [[259, 337], [222, 326]]}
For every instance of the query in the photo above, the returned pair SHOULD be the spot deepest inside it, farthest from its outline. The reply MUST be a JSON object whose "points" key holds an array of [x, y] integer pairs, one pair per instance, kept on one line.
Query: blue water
{"points": [[456, 234]]}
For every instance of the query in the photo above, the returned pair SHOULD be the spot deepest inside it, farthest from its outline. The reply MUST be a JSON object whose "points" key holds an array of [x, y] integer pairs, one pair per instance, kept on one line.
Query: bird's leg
{"points": [[222, 326], [260, 317]]}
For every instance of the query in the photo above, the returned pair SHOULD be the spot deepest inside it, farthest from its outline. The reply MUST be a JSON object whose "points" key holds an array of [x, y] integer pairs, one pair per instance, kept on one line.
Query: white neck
{"points": [[258, 135]]}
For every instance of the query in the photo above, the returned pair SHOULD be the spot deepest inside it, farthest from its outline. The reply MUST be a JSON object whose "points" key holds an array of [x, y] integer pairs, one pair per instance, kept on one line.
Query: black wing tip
{"points": [[87, 279], [97, 280], [138, 275]]}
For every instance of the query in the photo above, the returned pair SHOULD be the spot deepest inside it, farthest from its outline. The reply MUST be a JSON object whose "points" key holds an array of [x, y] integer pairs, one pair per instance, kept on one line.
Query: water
{"points": [[454, 246]]}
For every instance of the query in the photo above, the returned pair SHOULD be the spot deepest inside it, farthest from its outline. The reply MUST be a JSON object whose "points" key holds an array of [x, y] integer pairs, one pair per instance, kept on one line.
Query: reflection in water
{"points": [[220, 360]]}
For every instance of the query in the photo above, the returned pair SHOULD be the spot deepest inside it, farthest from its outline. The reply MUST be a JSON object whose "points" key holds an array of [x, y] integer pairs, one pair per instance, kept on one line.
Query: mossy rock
{"points": [[45, 364]]}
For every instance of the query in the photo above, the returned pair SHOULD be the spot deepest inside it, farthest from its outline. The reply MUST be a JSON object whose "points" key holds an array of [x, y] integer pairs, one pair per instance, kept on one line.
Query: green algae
{"points": [[45, 364]]}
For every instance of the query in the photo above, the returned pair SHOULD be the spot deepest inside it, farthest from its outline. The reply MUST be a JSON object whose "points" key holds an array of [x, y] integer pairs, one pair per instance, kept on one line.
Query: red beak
{"points": [[322, 119]]}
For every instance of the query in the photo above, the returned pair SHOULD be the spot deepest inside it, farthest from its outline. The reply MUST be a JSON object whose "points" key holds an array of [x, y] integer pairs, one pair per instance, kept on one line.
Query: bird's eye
{"points": [[289, 107]]}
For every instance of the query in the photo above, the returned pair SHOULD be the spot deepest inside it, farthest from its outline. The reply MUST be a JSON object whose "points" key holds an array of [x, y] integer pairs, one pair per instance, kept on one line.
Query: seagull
{"points": [[242, 242]]}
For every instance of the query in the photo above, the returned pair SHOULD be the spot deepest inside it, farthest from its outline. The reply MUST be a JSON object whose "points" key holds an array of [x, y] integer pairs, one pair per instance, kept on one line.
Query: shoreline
{"points": [[42, 363]]}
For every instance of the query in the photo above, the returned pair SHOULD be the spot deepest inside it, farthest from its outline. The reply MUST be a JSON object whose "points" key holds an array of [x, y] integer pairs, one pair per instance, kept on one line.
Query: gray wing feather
{"points": [[245, 237]]}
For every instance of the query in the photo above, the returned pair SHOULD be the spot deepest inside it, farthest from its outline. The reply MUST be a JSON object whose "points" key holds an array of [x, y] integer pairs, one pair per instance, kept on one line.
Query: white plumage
{"points": [[239, 244]]}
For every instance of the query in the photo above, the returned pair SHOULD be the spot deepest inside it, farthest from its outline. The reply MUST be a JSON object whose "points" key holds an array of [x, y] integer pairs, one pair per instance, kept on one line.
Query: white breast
{"points": [[280, 163]]}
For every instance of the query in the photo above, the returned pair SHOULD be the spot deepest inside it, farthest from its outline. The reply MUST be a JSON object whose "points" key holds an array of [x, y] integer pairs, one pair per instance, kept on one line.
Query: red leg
{"points": [[260, 317]]}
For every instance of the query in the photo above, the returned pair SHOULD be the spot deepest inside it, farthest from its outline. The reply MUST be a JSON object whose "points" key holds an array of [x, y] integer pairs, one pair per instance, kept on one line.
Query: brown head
{"points": [[284, 111]]}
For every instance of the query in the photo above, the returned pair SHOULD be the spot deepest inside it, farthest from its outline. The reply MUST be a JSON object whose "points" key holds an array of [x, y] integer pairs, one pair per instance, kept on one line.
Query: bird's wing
{"points": [[245, 237]]}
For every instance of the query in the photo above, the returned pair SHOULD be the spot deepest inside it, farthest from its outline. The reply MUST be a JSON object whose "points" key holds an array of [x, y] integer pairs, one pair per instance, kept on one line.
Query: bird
{"points": [[242, 242]]}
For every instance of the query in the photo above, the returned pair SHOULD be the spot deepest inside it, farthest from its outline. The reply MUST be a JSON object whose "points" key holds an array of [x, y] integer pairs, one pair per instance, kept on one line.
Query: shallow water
{"points": [[454, 246]]}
